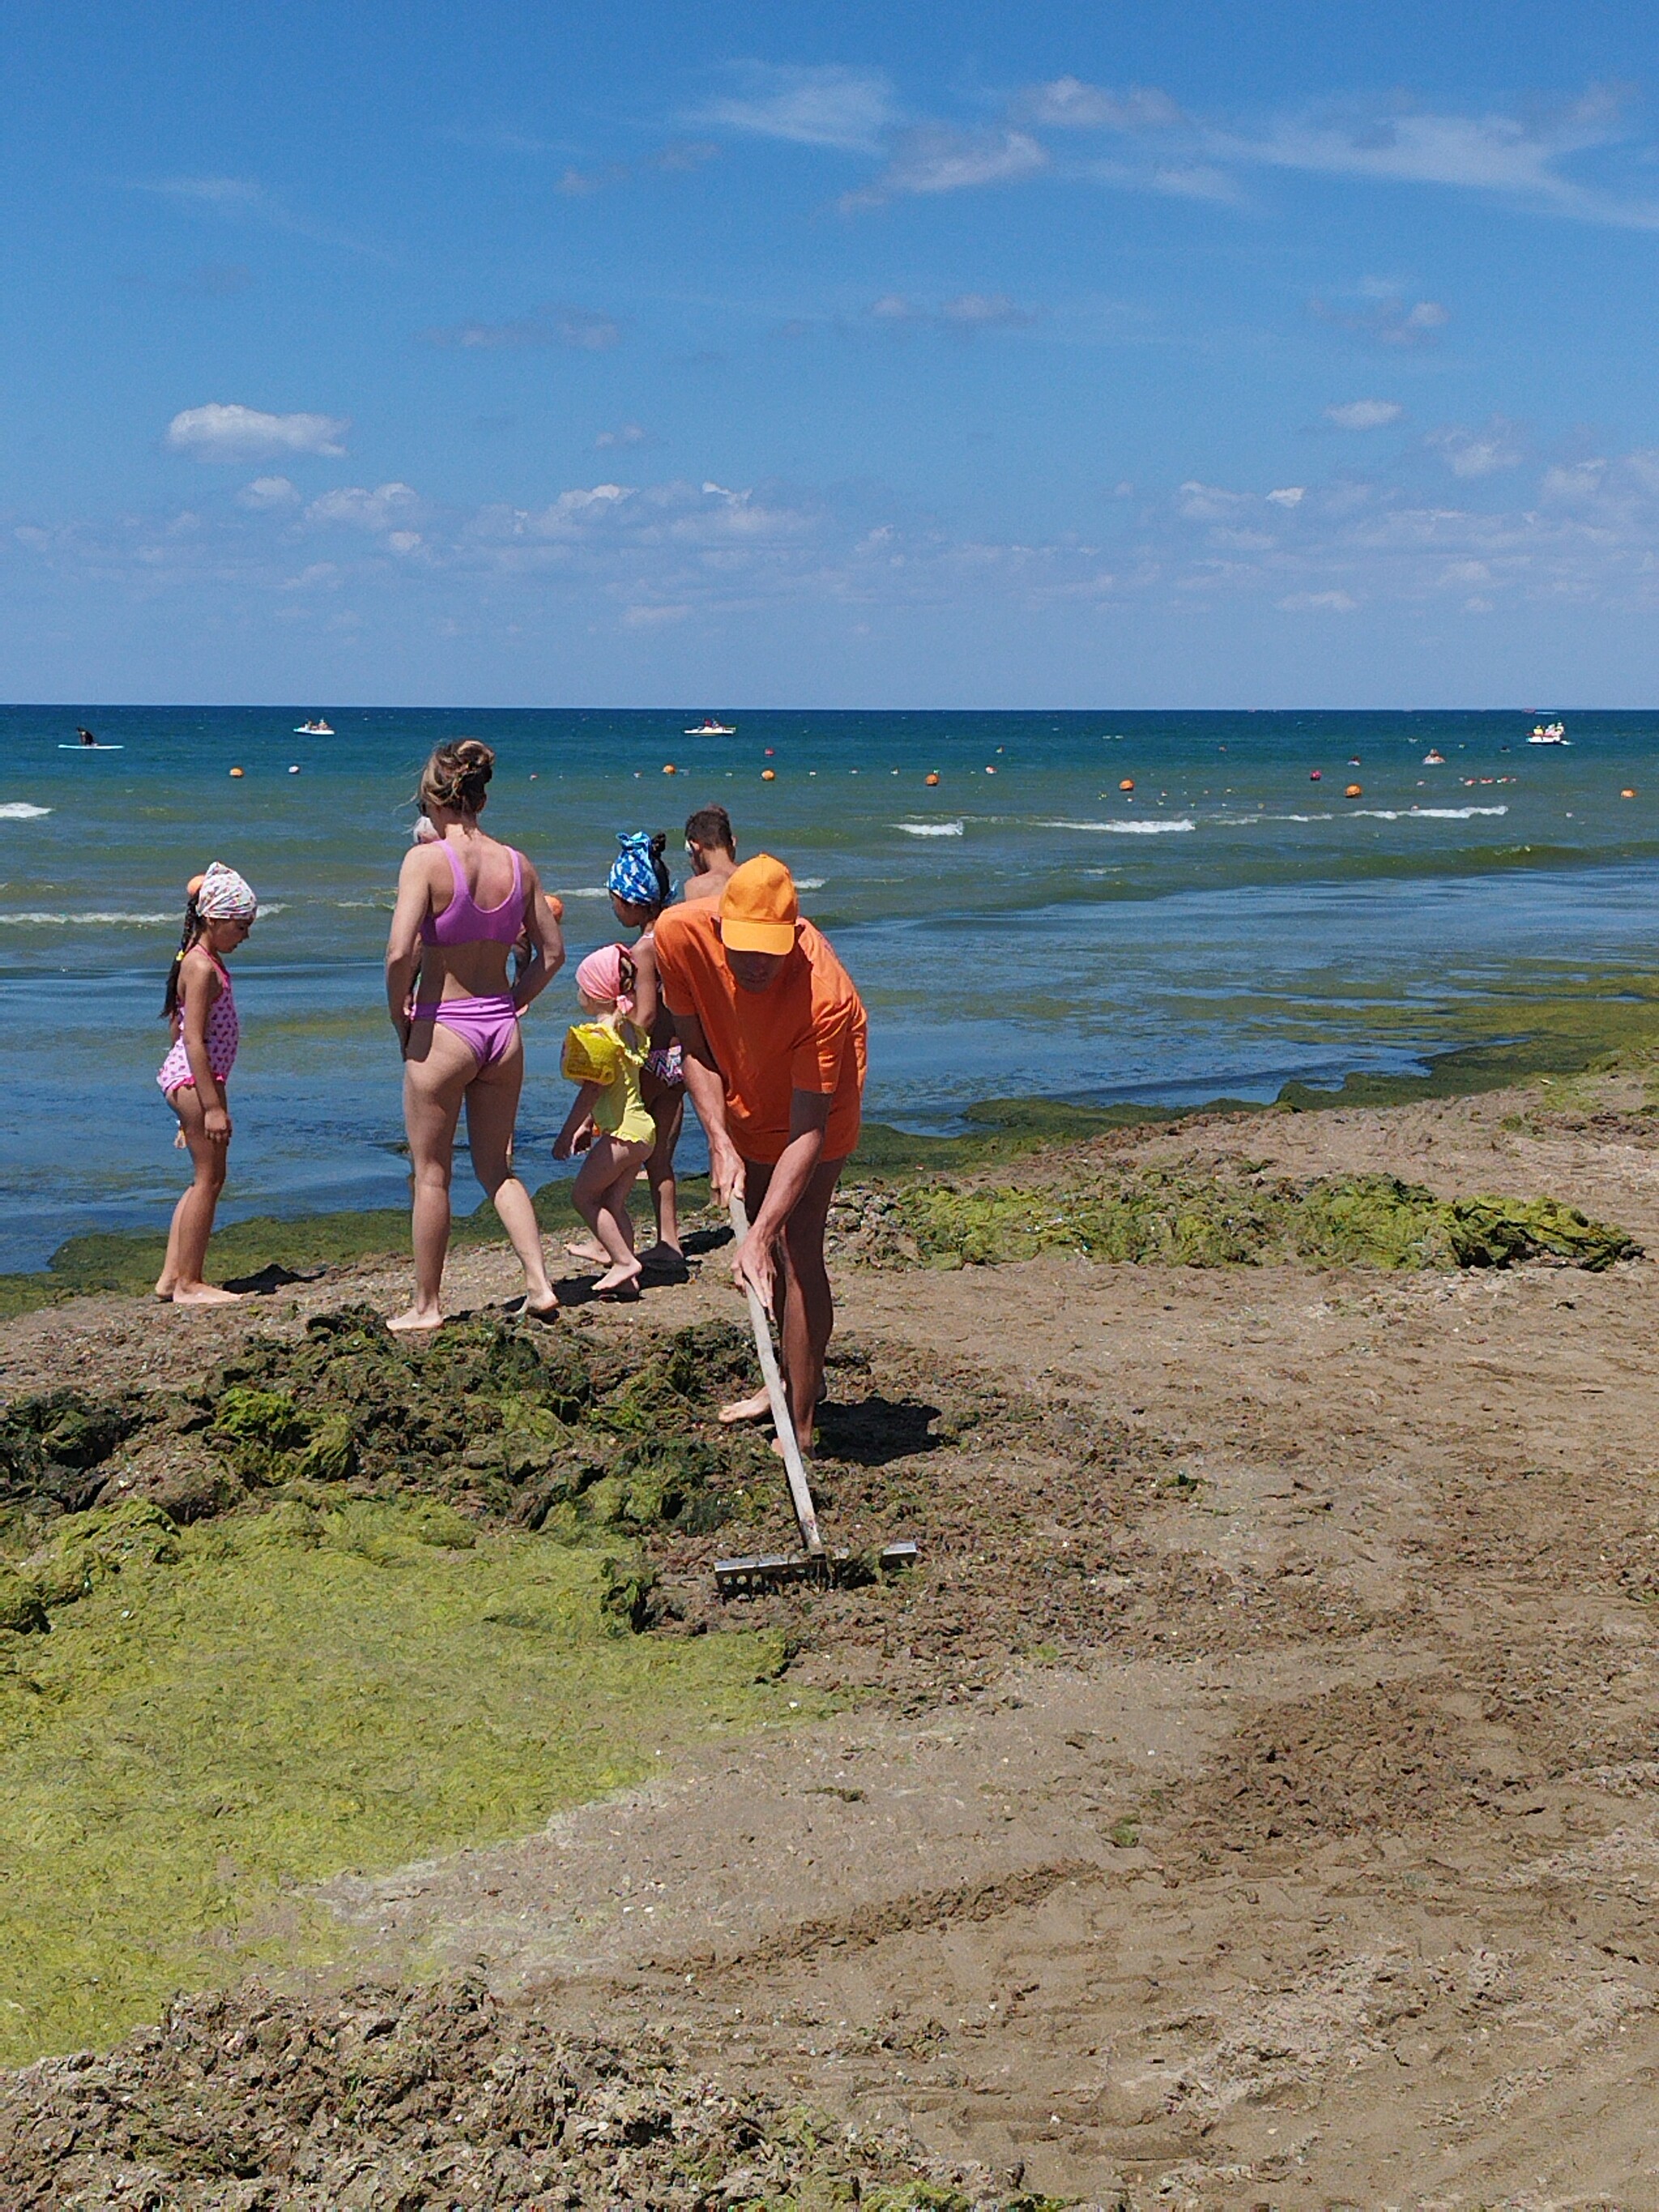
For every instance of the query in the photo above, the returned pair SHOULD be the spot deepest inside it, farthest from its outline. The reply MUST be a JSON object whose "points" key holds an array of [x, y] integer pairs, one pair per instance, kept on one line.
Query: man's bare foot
{"points": [[527, 1309], [803, 1443], [621, 1282], [757, 1408], [587, 1248], [164, 1290], [414, 1322], [204, 1294]]}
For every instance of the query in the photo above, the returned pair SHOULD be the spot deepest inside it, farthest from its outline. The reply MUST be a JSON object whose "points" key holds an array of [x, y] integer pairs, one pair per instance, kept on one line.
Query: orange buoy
{"points": [[1628, 792], [237, 771], [557, 905], [669, 768], [933, 776], [1353, 791], [769, 775], [1128, 784]]}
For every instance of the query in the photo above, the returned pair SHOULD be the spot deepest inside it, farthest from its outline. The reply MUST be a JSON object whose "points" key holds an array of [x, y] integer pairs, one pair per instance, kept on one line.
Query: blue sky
{"points": [[905, 355]]}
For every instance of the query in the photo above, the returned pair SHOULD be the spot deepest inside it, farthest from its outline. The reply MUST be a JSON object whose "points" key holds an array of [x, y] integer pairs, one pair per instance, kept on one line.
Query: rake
{"points": [[815, 1562]]}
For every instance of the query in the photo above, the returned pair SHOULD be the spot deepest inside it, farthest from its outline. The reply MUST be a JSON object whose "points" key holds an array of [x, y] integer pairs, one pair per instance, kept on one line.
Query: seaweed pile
{"points": [[553, 1430], [392, 2097], [1173, 1216]]}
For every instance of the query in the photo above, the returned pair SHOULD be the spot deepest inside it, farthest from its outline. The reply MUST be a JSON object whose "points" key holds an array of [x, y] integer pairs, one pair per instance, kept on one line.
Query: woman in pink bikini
{"points": [[463, 903], [200, 1007]]}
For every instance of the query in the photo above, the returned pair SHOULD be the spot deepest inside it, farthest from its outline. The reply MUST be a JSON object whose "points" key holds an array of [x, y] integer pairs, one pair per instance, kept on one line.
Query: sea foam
{"points": [[930, 828], [19, 810], [1124, 829], [1426, 813]]}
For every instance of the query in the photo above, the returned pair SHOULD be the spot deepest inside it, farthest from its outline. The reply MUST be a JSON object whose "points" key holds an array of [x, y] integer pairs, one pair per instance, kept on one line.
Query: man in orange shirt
{"points": [[773, 1035]]}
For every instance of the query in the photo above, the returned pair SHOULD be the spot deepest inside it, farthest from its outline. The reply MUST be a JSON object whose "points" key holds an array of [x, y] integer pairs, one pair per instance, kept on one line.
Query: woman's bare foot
{"points": [[757, 1408], [621, 1282], [203, 1294], [415, 1322], [164, 1290], [527, 1309], [587, 1248]]}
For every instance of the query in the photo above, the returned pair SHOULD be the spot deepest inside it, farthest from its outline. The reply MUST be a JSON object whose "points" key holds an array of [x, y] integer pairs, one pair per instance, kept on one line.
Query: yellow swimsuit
{"points": [[607, 1053]]}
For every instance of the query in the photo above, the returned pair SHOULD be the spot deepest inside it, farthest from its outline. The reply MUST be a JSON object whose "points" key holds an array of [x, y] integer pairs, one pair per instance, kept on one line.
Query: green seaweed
{"points": [[241, 1707], [1174, 1217]]}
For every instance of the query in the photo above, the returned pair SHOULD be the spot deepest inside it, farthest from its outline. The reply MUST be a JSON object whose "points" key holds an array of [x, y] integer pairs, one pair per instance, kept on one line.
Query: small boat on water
{"points": [[708, 727], [1549, 733], [1434, 757], [319, 728]]}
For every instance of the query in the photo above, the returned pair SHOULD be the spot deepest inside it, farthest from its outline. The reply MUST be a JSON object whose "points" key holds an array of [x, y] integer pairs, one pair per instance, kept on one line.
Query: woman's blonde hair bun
{"points": [[458, 776]]}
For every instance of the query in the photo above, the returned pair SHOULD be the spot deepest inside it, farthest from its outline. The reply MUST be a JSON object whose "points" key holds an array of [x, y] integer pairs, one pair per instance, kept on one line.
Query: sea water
{"points": [[1026, 923]]}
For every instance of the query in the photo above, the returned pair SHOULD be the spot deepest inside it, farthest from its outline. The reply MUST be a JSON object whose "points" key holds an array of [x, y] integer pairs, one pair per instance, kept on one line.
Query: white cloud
{"points": [[582, 328], [1469, 453], [1317, 602], [1365, 414], [267, 493], [1501, 155], [963, 315], [934, 158], [830, 106], [1068, 104], [389, 506], [1382, 312], [1290, 495], [220, 433], [626, 434]]}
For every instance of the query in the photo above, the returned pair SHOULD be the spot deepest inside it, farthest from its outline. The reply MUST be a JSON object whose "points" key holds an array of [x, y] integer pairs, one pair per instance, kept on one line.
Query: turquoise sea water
{"points": [[1228, 924]]}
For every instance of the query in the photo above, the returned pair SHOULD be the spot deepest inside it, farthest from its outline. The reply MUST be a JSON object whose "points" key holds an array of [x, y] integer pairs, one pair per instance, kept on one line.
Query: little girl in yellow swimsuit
{"points": [[603, 1055]]}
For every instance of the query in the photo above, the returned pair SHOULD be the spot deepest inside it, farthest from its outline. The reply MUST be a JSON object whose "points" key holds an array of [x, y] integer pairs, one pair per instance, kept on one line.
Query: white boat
{"points": [[319, 728], [1434, 757], [1549, 733], [708, 727]]}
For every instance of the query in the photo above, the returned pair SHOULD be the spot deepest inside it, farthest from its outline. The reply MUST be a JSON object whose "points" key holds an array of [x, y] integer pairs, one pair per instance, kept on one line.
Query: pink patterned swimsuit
{"points": [[223, 1034]]}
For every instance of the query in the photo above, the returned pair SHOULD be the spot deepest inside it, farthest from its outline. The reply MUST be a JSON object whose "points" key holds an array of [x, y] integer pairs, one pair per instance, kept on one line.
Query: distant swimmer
{"points": [[85, 736]]}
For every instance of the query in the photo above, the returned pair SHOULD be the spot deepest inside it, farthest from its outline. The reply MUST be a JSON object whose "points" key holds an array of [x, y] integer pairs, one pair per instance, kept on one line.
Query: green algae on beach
{"points": [[1176, 1217], [257, 1703]]}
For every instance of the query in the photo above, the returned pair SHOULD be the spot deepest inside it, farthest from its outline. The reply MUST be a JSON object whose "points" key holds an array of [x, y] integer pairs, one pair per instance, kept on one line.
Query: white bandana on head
{"points": [[223, 895]]}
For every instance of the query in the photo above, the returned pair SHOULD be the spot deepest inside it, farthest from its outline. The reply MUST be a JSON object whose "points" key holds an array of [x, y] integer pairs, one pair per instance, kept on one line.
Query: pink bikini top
{"points": [[463, 922]]}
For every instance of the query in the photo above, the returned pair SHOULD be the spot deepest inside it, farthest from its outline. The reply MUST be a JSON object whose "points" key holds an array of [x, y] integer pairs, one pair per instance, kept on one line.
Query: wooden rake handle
{"points": [[760, 1320]]}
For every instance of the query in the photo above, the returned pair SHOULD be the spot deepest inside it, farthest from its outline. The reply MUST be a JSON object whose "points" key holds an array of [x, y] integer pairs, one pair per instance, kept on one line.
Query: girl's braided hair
{"points": [[189, 937]]}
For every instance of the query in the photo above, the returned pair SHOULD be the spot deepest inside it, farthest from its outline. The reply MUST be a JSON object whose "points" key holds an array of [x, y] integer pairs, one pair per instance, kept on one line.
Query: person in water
{"points": [[604, 1056], [463, 899], [714, 853], [775, 1039], [200, 1008], [85, 736], [640, 887]]}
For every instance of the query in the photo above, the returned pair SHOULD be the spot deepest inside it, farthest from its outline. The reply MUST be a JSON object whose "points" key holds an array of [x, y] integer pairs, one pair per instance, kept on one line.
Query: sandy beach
{"points": [[1250, 1798]]}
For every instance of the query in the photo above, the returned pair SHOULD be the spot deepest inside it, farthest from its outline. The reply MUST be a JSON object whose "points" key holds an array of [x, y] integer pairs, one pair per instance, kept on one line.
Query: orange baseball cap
{"points": [[758, 908]]}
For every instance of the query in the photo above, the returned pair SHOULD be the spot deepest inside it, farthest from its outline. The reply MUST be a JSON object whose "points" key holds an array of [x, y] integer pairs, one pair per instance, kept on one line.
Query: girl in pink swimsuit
{"points": [[200, 1007], [463, 902]]}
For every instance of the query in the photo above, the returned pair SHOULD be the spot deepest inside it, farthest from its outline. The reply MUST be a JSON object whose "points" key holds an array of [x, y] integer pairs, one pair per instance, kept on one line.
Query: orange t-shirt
{"points": [[807, 1033]]}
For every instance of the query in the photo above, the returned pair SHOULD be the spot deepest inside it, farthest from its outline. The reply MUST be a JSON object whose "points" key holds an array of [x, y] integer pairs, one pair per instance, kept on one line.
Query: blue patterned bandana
{"points": [[633, 873]]}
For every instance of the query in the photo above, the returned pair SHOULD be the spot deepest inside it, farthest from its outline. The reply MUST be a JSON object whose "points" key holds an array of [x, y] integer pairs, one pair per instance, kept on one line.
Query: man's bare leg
{"points": [[807, 1314]]}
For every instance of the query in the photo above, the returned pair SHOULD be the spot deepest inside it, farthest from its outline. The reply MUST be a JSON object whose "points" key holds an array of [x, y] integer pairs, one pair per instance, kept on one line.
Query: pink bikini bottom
{"points": [[487, 1026]]}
